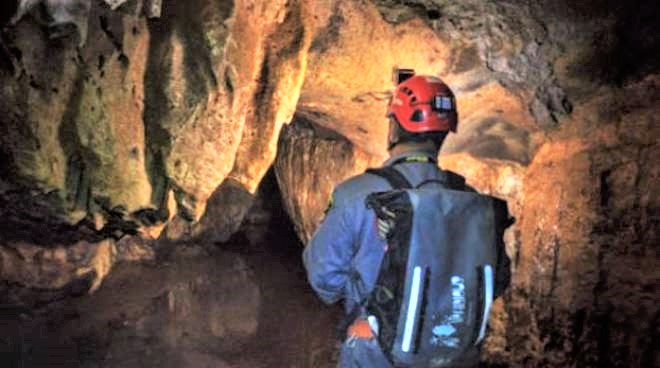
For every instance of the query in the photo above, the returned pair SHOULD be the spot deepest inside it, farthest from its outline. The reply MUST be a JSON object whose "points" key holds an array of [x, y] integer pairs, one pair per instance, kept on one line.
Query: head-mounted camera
{"points": [[402, 74]]}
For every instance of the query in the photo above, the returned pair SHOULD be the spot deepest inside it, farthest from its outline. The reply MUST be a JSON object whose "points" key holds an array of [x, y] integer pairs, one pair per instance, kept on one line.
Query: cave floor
{"points": [[130, 322]]}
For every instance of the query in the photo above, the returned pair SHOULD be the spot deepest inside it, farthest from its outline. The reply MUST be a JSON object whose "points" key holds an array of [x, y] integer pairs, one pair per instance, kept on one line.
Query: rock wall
{"points": [[310, 161], [173, 104], [162, 128], [586, 264], [131, 133]]}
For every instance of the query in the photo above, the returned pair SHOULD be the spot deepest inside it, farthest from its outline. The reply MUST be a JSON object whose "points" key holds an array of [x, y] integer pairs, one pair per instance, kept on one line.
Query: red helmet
{"points": [[424, 104]]}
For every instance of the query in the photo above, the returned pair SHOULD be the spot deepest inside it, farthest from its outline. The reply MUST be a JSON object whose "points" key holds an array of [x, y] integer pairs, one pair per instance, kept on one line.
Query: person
{"points": [[343, 257]]}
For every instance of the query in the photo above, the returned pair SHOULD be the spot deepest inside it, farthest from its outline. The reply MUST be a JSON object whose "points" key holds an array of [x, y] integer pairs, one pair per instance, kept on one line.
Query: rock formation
{"points": [[161, 126]]}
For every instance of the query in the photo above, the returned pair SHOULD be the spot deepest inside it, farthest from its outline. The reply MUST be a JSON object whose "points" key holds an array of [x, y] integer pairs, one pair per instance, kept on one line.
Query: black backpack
{"points": [[436, 283]]}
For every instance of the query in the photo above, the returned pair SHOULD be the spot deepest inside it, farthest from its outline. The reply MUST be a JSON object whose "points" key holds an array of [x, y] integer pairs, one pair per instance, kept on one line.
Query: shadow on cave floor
{"points": [[244, 303]]}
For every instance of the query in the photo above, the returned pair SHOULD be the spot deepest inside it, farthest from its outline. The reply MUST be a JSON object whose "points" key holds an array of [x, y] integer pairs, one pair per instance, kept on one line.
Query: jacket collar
{"points": [[411, 156]]}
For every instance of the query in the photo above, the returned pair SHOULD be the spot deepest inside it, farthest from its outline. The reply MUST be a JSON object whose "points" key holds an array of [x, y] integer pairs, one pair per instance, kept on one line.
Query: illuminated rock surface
{"points": [[158, 131]]}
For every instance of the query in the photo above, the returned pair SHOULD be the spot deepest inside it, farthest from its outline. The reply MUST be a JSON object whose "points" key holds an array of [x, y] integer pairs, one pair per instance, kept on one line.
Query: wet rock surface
{"points": [[241, 303], [244, 308], [144, 315]]}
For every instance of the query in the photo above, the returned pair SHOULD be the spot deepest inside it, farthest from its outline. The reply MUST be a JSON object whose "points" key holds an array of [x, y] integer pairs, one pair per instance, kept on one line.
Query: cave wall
{"points": [[125, 138], [587, 261], [159, 128], [150, 107]]}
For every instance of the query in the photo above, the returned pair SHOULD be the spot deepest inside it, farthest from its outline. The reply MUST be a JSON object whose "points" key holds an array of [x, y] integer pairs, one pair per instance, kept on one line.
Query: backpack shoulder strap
{"points": [[393, 176], [451, 181]]}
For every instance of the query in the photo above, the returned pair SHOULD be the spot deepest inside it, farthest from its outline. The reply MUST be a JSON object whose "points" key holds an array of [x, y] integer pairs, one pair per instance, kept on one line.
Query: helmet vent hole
{"points": [[417, 116], [413, 100]]}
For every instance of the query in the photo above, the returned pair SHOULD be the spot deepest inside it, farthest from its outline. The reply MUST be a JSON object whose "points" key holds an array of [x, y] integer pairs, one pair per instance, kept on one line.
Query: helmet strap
{"points": [[394, 134], [398, 135]]}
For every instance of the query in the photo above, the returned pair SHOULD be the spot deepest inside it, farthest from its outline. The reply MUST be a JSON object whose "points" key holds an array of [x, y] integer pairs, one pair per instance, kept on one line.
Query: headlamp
{"points": [[443, 103]]}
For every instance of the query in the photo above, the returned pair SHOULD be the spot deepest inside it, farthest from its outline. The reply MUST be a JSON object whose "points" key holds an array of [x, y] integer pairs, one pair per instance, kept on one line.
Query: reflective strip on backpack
{"points": [[488, 300], [412, 309]]}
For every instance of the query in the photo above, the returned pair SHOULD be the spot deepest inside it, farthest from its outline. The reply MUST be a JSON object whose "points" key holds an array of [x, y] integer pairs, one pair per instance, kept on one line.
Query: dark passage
{"points": [[244, 303], [296, 329]]}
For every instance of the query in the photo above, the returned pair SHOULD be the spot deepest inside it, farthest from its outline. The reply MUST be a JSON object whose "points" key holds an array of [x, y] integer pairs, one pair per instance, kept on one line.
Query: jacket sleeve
{"points": [[328, 255]]}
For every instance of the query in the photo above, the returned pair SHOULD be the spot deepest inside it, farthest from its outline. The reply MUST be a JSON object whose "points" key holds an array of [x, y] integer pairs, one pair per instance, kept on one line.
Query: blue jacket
{"points": [[344, 256]]}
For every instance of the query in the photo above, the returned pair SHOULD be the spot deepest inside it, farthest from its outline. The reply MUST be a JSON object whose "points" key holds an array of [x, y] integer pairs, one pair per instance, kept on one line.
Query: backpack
{"points": [[436, 282]]}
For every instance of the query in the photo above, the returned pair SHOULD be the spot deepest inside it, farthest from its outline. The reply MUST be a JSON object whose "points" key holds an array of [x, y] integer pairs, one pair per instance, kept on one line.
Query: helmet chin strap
{"points": [[397, 135], [393, 136]]}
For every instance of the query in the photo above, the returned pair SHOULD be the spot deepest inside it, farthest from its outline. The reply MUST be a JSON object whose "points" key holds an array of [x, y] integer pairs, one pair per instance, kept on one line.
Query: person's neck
{"points": [[408, 147]]}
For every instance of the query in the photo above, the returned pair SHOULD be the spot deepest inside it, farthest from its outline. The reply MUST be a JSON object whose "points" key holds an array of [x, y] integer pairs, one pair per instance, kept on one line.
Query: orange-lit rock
{"points": [[585, 242], [349, 81], [280, 79], [152, 111], [498, 178], [310, 162], [352, 56], [192, 129], [270, 104], [152, 106], [105, 138]]}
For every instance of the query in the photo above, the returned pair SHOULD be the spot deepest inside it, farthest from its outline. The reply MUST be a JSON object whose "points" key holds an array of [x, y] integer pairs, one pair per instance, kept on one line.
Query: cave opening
{"points": [[295, 327], [267, 220]]}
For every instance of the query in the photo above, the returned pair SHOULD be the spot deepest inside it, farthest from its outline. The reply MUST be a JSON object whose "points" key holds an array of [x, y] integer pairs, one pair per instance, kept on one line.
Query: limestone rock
{"points": [[58, 15], [585, 241], [114, 4], [224, 213], [86, 154], [311, 161], [134, 248], [350, 94], [499, 178], [57, 267], [280, 79], [153, 8], [269, 108], [151, 107]]}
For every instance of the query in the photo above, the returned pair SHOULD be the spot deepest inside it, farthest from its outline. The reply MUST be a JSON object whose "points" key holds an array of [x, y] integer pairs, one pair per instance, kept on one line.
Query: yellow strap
{"points": [[417, 159]]}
